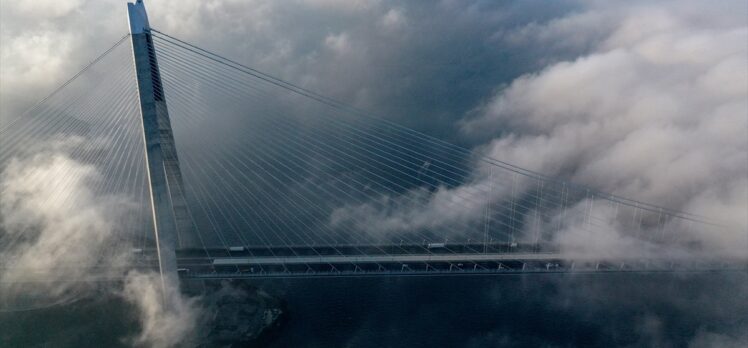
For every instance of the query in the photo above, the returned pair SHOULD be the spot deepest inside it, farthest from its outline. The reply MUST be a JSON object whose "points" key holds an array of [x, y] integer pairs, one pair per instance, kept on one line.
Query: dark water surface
{"points": [[602, 310], [102, 321]]}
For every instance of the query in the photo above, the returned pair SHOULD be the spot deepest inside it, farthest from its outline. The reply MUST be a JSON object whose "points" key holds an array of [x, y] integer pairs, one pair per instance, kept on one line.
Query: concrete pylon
{"points": [[171, 218]]}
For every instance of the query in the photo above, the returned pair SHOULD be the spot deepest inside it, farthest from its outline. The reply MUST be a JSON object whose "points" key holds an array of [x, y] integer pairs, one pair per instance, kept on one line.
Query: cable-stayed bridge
{"points": [[163, 155]]}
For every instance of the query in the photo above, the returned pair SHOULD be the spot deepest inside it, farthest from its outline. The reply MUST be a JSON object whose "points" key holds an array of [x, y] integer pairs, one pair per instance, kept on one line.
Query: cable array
{"points": [[82, 149], [272, 163], [272, 167]]}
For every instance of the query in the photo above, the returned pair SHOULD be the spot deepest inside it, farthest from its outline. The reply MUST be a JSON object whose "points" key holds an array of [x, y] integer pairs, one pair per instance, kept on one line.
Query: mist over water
{"points": [[58, 230]]}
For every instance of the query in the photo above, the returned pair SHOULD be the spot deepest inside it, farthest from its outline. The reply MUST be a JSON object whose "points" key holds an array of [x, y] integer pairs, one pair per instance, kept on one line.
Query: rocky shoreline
{"points": [[238, 314]]}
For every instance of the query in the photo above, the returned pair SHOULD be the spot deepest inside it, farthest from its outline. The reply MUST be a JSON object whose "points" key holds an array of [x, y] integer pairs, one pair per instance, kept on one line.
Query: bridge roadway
{"points": [[390, 260], [437, 259]]}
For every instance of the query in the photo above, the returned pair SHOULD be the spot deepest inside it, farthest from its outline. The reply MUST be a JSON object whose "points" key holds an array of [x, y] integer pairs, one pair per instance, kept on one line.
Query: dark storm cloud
{"points": [[400, 60]]}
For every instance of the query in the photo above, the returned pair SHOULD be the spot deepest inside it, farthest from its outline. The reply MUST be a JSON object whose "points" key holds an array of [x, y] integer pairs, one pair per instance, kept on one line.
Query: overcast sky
{"points": [[642, 99]]}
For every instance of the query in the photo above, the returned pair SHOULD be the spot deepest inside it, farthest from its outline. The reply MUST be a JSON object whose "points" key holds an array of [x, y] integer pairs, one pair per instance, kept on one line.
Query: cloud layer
{"points": [[54, 225], [167, 317], [657, 111], [652, 107], [58, 233]]}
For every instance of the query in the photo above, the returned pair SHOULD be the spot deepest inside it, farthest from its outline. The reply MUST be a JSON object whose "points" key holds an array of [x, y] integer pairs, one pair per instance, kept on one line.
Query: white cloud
{"points": [[343, 5], [45, 8], [55, 226], [707, 339], [167, 318], [339, 43], [36, 58], [652, 114], [657, 110], [42, 43], [415, 210], [393, 20]]}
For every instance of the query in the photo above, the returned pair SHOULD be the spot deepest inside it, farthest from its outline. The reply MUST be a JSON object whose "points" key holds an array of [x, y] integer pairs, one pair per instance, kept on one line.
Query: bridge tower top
{"points": [[137, 17]]}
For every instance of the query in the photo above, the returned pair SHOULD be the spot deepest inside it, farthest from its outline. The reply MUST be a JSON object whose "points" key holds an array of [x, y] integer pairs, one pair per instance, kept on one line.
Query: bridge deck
{"points": [[406, 260], [335, 259], [450, 259]]}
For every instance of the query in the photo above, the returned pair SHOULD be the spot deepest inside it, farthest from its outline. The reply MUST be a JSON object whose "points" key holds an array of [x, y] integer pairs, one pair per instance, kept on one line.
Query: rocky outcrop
{"points": [[238, 314]]}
